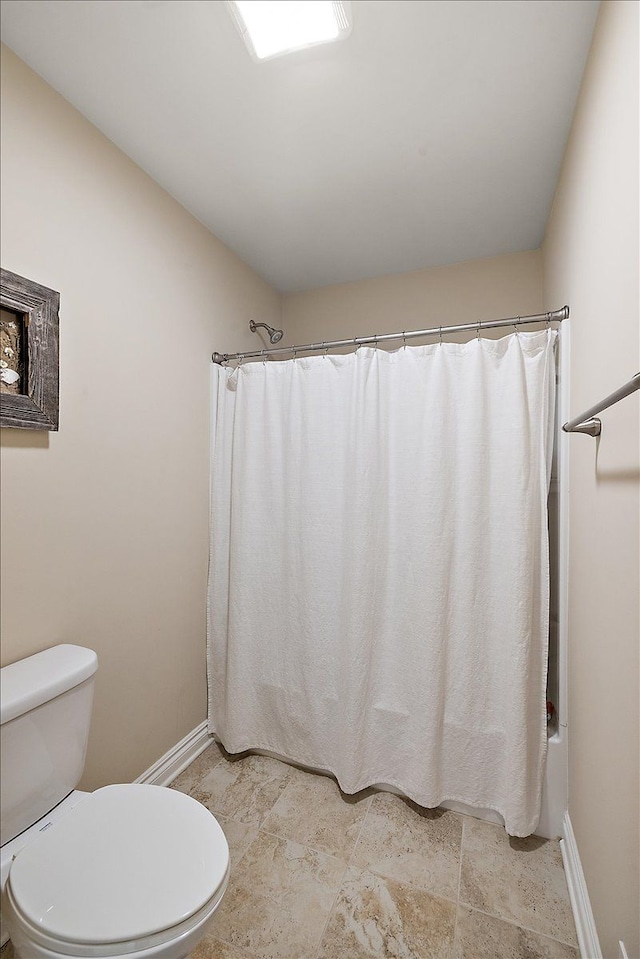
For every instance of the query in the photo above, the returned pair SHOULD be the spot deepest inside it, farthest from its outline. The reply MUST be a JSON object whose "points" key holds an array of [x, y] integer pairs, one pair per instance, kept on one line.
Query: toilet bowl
{"points": [[135, 871], [132, 871]]}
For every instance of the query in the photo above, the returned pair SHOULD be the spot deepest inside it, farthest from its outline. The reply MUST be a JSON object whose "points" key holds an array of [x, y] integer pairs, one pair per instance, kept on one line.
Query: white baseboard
{"points": [[165, 770], [578, 894]]}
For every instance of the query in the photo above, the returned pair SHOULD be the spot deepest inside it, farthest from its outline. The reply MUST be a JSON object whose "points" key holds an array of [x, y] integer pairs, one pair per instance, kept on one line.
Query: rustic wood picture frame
{"points": [[37, 409]]}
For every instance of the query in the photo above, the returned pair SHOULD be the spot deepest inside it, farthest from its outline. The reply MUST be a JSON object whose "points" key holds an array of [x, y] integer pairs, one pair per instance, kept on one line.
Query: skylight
{"points": [[273, 27]]}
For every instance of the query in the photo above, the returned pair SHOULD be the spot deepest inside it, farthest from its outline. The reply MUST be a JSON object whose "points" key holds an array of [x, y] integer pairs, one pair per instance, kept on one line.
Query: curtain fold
{"points": [[378, 583]]}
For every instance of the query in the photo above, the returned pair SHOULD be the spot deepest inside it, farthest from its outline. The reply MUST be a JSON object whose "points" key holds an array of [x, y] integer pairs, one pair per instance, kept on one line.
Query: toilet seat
{"points": [[131, 867]]}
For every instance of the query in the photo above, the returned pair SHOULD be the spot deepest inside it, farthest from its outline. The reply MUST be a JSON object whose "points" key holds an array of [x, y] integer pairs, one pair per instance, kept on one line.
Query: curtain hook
{"points": [[404, 338], [548, 321], [478, 331], [264, 357], [375, 341], [440, 334], [515, 325], [240, 359]]}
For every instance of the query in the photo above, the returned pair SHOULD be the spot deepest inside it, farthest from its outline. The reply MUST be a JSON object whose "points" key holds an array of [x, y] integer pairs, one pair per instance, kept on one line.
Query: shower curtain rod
{"points": [[551, 317]]}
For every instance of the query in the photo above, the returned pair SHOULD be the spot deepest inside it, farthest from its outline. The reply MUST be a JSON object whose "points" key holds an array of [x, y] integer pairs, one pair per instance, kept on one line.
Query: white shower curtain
{"points": [[378, 591]]}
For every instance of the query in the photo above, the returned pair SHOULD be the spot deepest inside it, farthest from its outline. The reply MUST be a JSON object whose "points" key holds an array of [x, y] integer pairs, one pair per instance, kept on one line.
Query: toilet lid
{"points": [[128, 862]]}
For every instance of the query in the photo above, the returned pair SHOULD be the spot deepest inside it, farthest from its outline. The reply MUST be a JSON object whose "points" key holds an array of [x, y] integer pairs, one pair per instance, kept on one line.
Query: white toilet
{"points": [[130, 870]]}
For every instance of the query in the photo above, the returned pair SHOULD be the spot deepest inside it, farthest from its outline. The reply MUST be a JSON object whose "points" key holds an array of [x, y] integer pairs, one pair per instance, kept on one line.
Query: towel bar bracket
{"points": [[592, 427], [588, 422]]}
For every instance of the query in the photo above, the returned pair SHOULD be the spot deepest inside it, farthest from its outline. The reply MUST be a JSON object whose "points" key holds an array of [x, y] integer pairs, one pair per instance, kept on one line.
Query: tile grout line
{"points": [[455, 924], [379, 875], [269, 811], [236, 948], [199, 779], [308, 845], [226, 815], [428, 892], [289, 783], [512, 922], [335, 898], [436, 893], [305, 845], [518, 925], [313, 849], [364, 819], [238, 823]]}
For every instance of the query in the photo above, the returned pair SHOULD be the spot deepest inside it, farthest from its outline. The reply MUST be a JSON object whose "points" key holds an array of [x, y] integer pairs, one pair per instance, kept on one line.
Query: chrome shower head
{"points": [[274, 335]]}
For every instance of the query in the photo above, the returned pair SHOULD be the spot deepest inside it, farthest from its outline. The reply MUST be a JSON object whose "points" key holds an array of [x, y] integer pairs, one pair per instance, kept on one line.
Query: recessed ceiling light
{"points": [[273, 27]]}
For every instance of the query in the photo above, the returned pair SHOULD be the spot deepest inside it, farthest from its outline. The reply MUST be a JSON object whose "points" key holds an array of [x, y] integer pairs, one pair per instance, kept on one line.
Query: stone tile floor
{"points": [[316, 874]]}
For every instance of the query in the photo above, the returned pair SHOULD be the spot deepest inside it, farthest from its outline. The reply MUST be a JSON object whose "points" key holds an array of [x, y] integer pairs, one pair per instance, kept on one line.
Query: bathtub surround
{"points": [[352, 626], [104, 524]]}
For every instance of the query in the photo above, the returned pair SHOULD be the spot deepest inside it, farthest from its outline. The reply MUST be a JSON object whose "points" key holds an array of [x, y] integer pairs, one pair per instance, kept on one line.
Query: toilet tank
{"points": [[45, 713]]}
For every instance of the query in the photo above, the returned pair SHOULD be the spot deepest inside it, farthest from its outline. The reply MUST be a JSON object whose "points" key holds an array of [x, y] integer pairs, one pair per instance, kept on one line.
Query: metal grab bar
{"points": [[588, 422]]}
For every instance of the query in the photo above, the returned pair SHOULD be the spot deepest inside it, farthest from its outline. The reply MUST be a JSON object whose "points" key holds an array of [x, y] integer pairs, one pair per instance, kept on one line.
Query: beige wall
{"points": [[463, 293], [105, 523], [591, 261], [104, 532]]}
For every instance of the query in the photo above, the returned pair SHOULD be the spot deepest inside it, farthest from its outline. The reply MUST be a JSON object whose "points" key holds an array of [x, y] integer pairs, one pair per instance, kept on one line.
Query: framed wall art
{"points": [[29, 371]]}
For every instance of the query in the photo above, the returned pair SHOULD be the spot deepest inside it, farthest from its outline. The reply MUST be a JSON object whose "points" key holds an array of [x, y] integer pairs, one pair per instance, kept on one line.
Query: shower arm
{"points": [[253, 326]]}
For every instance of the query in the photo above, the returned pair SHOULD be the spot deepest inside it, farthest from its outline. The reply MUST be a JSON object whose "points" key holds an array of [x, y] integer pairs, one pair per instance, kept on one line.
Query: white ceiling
{"points": [[432, 134]]}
